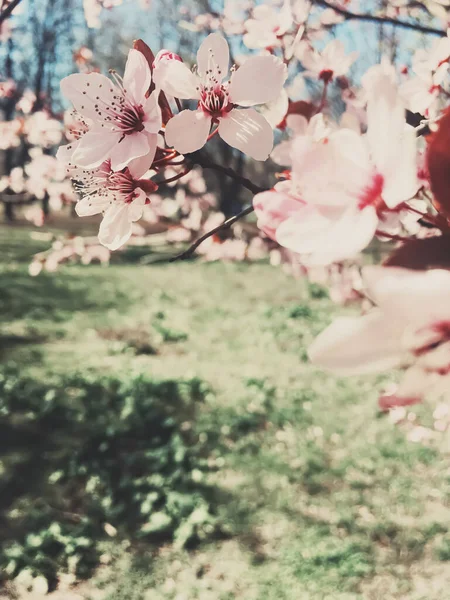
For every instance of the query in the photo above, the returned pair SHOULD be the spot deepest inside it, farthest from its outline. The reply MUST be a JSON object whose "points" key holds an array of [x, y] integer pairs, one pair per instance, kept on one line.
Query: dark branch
{"points": [[222, 227], [201, 159], [8, 10], [348, 15]]}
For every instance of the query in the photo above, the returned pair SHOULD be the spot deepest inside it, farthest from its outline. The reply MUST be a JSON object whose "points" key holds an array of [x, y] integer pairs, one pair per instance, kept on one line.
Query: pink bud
{"points": [[164, 55]]}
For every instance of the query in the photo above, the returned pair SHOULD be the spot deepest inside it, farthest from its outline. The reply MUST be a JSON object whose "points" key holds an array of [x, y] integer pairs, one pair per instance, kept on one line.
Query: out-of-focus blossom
{"points": [[268, 25], [122, 122], [411, 325], [258, 81], [347, 183], [42, 130], [332, 62], [316, 130], [10, 133], [26, 102]]}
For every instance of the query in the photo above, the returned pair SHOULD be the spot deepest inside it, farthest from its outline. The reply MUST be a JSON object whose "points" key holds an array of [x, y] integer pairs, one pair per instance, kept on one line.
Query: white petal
{"points": [[152, 120], [358, 345], [92, 205], [94, 147], [213, 54], [323, 238], [139, 166], [259, 80], [115, 229], [84, 90], [131, 146], [64, 153], [187, 131], [137, 77], [175, 79], [282, 153], [248, 131]]}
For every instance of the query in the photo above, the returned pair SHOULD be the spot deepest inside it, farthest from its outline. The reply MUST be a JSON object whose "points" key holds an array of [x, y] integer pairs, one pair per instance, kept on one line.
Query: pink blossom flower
{"points": [[411, 325], [267, 27], [351, 184], [118, 195], [122, 122], [258, 81], [332, 62]]}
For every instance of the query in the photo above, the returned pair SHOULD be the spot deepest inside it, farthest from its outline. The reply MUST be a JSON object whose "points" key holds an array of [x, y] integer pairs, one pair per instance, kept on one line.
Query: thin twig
{"points": [[222, 227], [348, 15], [8, 10], [198, 158]]}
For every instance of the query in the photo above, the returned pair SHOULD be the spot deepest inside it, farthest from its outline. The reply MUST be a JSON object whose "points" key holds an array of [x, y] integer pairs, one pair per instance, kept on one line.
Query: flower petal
{"points": [[115, 229], [214, 55], [324, 237], [94, 147], [152, 119], [64, 153], [272, 208], [84, 91], [92, 205], [175, 79], [137, 76], [259, 80], [352, 345], [129, 147], [248, 131], [188, 130], [139, 166]]}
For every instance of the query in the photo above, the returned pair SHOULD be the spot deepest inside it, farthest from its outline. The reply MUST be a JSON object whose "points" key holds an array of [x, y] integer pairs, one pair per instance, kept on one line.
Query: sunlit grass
{"points": [[323, 497]]}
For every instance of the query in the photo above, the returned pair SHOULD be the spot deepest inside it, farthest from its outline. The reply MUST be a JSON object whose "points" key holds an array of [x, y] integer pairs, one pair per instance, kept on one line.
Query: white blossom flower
{"points": [[258, 81], [122, 123]]}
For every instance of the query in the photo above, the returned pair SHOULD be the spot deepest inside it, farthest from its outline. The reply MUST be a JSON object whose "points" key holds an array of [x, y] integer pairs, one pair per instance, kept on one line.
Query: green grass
{"points": [[319, 497]]}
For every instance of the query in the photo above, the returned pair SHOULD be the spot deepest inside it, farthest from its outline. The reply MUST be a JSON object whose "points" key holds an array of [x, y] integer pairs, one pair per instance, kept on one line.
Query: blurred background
{"points": [[162, 434]]}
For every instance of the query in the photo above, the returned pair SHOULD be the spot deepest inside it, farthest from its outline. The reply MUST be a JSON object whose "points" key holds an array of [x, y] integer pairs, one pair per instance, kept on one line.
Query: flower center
{"points": [[123, 185], [130, 119], [371, 196], [214, 100], [434, 336], [326, 75]]}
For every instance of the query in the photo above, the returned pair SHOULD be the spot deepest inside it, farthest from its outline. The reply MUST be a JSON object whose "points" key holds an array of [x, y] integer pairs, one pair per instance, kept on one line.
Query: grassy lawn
{"points": [[317, 495]]}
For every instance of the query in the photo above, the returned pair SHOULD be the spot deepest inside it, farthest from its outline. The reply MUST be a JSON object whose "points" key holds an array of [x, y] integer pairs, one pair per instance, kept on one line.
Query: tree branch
{"points": [[222, 227], [348, 15], [201, 159], [8, 10]]}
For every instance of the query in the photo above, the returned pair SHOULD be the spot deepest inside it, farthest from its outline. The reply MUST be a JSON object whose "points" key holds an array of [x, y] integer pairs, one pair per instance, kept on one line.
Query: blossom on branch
{"points": [[258, 81], [122, 122], [120, 196]]}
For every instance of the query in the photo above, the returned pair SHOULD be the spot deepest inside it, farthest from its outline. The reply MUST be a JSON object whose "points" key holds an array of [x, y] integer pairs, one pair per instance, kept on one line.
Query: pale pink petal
{"points": [[137, 76], [353, 345], [416, 296], [94, 147], [248, 131], [259, 80], [326, 237], [115, 229], [84, 91], [272, 208], [188, 130], [139, 166], [64, 153], [129, 147], [136, 208], [214, 55], [152, 120], [175, 79], [92, 205], [298, 124], [281, 154]]}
